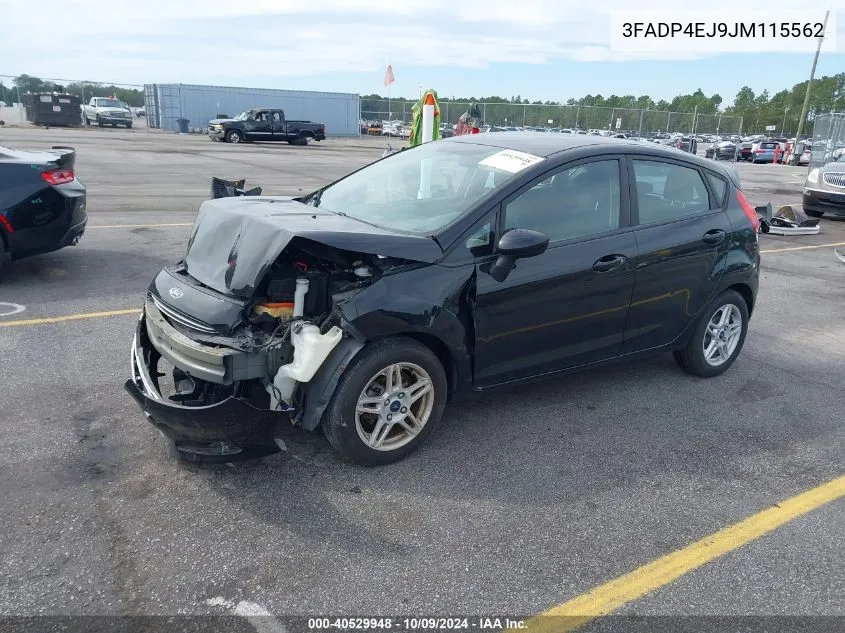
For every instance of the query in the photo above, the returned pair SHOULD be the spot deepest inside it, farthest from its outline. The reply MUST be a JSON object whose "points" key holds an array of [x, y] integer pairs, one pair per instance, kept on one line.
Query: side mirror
{"points": [[516, 244]]}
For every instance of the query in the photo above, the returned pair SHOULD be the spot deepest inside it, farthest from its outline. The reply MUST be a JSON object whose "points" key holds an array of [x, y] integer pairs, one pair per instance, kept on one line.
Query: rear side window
{"points": [[719, 187], [666, 191]]}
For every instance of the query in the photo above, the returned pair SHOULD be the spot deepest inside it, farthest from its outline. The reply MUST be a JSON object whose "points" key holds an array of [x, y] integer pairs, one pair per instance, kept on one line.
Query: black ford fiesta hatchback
{"points": [[458, 265]]}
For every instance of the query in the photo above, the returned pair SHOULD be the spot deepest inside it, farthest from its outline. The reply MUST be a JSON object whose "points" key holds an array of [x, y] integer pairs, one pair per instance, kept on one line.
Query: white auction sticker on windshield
{"points": [[511, 161]]}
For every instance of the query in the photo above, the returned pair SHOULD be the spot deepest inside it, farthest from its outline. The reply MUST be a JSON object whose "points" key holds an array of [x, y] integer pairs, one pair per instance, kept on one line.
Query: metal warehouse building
{"points": [[165, 104]]}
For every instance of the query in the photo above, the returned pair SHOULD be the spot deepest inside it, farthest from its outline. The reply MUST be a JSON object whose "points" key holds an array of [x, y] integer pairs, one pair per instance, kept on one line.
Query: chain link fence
{"points": [[564, 116], [828, 138]]}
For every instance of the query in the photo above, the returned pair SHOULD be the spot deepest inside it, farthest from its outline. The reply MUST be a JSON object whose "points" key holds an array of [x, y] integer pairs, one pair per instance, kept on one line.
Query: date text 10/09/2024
{"points": [[416, 624], [723, 29]]}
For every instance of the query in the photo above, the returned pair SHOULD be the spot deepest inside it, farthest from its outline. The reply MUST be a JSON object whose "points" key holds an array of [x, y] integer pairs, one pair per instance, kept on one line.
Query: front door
{"points": [[259, 127], [683, 236], [568, 306]]}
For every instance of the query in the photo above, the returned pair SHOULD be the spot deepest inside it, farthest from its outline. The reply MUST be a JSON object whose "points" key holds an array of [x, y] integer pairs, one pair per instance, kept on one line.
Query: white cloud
{"points": [[192, 41]]}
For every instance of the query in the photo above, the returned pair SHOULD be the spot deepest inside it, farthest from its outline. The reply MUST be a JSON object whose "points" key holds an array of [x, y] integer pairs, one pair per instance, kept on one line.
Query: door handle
{"points": [[609, 262], [713, 237]]}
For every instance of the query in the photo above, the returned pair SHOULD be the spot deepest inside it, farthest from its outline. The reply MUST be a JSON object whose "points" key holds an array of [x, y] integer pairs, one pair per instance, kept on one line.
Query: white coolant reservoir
{"points": [[299, 297], [310, 350]]}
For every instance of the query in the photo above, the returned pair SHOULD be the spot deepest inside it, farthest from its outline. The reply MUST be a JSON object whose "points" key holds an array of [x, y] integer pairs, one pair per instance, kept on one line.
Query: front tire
{"points": [[233, 136], [718, 337], [813, 214], [400, 372]]}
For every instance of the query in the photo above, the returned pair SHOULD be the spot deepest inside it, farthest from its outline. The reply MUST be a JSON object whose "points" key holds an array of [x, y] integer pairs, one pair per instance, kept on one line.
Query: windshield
{"points": [[422, 190], [108, 103], [243, 116]]}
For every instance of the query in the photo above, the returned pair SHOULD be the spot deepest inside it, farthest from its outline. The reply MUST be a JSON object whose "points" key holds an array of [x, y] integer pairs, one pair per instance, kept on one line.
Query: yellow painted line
{"points": [[801, 248], [69, 317], [612, 595], [135, 226]]}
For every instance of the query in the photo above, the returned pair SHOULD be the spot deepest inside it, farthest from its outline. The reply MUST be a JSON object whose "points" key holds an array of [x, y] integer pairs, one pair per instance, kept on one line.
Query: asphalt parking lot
{"points": [[522, 500]]}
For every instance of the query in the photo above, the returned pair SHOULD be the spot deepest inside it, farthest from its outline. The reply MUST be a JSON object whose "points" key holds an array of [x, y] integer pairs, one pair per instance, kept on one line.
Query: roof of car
{"points": [[545, 144]]}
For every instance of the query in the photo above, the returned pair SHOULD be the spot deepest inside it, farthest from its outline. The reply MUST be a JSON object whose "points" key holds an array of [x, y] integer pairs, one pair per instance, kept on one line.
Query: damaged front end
{"points": [[240, 345]]}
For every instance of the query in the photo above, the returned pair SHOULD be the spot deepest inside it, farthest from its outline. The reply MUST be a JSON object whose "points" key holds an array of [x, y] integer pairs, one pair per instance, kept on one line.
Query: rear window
{"points": [[719, 186], [768, 145], [667, 191]]}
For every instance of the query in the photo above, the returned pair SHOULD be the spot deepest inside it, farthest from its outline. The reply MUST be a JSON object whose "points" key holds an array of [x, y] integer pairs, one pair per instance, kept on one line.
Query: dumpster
{"points": [[182, 125], [52, 108]]}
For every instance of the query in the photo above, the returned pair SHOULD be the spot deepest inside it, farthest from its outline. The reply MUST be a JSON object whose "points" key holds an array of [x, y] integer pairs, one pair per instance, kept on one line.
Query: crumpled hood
{"points": [[235, 240], [220, 121]]}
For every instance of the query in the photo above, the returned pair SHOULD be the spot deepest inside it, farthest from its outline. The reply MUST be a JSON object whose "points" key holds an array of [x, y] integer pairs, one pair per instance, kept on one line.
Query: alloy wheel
{"points": [[394, 406], [722, 335]]}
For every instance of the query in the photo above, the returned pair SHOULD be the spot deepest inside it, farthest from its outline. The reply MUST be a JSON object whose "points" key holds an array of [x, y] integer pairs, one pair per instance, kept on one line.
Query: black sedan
{"points": [[463, 264], [724, 150], [42, 204]]}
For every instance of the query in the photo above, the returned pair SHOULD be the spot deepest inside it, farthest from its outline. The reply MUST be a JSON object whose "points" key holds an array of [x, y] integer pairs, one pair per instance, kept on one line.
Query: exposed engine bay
{"points": [[294, 304], [283, 334]]}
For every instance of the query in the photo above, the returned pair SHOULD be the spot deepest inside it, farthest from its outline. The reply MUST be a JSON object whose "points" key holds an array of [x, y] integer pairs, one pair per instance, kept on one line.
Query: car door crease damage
{"points": [[347, 309]]}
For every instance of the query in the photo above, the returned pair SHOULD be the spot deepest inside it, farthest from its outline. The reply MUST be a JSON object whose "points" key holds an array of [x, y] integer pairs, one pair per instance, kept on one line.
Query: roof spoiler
{"points": [[66, 156]]}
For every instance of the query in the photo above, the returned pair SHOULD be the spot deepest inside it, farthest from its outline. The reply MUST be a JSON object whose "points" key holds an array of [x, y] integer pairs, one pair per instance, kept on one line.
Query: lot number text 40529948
{"points": [[416, 624]]}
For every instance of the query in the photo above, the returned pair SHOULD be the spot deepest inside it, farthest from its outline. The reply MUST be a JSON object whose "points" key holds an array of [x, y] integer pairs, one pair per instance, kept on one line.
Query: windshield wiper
{"points": [[314, 198]]}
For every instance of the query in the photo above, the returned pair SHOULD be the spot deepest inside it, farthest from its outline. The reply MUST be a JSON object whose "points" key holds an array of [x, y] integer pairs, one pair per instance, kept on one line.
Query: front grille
{"points": [[180, 318], [835, 179]]}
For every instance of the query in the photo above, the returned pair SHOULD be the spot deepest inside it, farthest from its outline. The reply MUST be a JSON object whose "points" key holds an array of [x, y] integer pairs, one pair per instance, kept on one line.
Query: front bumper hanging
{"points": [[230, 430]]}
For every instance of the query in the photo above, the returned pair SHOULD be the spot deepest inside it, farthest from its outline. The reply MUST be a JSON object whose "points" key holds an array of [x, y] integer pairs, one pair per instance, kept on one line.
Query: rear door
{"points": [[278, 125], [683, 235]]}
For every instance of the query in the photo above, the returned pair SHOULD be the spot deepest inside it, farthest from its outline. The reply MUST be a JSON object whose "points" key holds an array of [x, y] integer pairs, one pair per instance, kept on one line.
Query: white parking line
{"points": [[8, 309], [258, 617]]}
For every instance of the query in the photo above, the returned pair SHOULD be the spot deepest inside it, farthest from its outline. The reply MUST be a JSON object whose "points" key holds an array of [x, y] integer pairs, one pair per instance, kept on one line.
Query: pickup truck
{"points": [[106, 111], [264, 125]]}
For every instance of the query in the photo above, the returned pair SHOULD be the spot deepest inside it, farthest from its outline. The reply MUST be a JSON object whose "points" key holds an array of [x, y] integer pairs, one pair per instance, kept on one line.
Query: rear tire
{"points": [[416, 396], [718, 337], [813, 214]]}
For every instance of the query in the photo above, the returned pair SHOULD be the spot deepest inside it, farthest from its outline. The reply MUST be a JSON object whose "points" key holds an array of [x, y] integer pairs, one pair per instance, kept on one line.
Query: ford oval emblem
{"points": [[176, 292]]}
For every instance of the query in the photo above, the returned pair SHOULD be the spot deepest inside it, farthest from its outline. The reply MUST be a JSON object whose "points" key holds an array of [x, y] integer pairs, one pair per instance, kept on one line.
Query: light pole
{"points": [[783, 125], [794, 159]]}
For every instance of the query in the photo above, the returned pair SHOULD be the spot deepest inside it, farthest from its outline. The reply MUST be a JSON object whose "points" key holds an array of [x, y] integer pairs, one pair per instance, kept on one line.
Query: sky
{"points": [[538, 49]]}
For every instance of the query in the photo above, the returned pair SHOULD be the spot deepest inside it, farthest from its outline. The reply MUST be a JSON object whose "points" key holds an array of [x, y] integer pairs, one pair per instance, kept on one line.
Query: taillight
{"points": [[749, 211], [4, 222], [57, 176]]}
